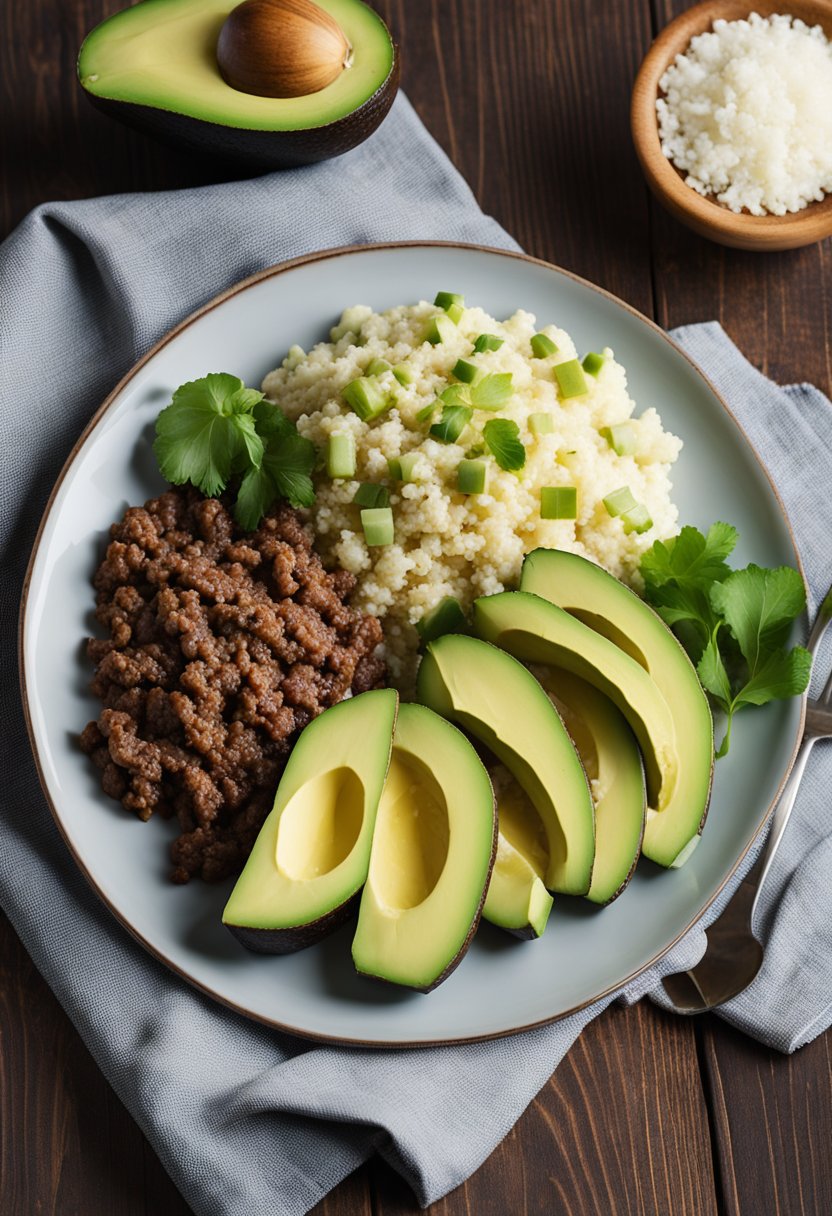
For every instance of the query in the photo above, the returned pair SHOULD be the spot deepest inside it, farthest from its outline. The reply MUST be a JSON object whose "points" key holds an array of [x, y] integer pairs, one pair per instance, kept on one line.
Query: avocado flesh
{"points": [[612, 760], [162, 54], [432, 853], [593, 595], [311, 856], [498, 701], [517, 899]]}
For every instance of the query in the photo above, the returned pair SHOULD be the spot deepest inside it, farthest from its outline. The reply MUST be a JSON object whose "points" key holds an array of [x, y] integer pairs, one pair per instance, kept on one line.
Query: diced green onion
{"points": [[620, 501], [541, 424], [445, 299], [637, 519], [455, 311], [404, 375], [440, 329], [472, 476], [366, 399], [593, 362], [543, 346], [427, 411], [377, 524], [405, 468], [558, 502], [369, 494], [454, 394], [377, 367], [487, 342], [622, 438], [571, 379], [453, 422], [446, 617], [340, 455], [467, 372]]}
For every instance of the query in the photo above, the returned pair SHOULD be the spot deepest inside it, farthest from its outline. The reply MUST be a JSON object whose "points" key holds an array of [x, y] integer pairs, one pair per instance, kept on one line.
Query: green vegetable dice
{"points": [[592, 363], [340, 455], [487, 342], [543, 346], [571, 379], [472, 476], [467, 372], [559, 502], [440, 329], [541, 424], [621, 437], [637, 519], [377, 523], [404, 375], [366, 399], [620, 501]]}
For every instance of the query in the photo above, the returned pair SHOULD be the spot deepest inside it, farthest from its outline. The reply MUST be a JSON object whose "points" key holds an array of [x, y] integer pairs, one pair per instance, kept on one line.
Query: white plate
{"points": [[502, 985]]}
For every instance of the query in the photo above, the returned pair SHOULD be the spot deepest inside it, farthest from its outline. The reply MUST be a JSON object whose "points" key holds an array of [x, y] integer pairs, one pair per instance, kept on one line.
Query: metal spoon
{"points": [[733, 956]]}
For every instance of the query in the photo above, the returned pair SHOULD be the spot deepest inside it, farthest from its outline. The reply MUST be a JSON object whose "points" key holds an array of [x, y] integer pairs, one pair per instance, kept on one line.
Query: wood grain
{"points": [[647, 1114]]}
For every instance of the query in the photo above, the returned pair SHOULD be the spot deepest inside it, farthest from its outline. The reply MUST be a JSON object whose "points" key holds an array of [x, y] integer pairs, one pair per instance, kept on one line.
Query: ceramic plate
{"points": [[502, 985]]}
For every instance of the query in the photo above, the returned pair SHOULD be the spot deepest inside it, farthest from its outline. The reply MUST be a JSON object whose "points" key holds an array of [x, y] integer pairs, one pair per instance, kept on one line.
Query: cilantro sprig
{"points": [[216, 431], [734, 624]]}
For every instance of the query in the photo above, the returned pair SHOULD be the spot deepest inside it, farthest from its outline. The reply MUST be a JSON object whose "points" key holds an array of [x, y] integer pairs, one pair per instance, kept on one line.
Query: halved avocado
{"points": [[154, 66], [433, 848], [537, 631], [517, 899], [603, 603], [310, 859], [612, 761], [499, 702]]}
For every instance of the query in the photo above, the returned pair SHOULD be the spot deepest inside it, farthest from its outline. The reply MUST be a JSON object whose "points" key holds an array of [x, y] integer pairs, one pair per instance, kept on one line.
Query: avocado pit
{"points": [[281, 48]]}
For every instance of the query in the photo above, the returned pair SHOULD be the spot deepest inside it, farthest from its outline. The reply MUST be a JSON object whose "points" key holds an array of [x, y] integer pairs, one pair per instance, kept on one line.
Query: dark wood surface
{"points": [[647, 1114]]}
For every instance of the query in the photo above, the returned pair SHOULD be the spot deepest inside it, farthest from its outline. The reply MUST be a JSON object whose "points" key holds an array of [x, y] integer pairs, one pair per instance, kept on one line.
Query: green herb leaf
{"points": [[690, 559], [453, 422], [492, 391], [199, 436], [290, 461], [256, 494], [503, 439], [712, 673], [759, 606]]}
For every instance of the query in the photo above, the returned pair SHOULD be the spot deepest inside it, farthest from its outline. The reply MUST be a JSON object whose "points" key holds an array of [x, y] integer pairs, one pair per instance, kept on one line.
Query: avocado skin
{"points": [[259, 150], [298, 937]]}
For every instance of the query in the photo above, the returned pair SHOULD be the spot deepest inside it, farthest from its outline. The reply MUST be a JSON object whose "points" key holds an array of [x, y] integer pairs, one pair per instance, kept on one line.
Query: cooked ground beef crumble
{"points": [[223, 645]]}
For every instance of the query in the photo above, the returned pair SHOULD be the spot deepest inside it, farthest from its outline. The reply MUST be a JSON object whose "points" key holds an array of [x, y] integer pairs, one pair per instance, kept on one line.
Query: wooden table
{"points": [[648, 1113]]}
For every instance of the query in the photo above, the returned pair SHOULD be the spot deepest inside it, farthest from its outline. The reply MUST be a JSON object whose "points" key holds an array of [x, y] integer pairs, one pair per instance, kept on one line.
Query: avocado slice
{"points": [[498, 701], [154, 66], [612, 761], [599, 600], [517, 899], [433, 848], [310, 859]]}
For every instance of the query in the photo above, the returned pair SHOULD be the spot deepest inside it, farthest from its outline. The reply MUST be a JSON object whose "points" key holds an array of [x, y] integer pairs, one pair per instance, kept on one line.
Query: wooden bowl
{"points": [[705, 216]]}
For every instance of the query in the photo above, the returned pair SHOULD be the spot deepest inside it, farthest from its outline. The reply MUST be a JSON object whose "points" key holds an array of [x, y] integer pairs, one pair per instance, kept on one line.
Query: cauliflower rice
{"points": [[465, 545]]}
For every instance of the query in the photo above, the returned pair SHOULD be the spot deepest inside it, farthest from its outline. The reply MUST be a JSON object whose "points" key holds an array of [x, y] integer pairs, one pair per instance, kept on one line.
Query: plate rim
{"points": [[94, 421]]}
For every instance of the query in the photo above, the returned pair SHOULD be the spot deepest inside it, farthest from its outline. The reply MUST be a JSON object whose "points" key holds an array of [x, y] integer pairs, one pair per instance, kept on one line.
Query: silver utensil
{"points": [[733, 956]]}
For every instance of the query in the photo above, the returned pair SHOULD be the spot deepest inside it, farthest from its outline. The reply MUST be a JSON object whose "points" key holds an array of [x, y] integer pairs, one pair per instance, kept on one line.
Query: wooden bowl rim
{"points": [[795, 228]]}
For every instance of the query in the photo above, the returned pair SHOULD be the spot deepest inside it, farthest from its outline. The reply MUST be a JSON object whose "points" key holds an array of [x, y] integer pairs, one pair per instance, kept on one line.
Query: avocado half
{"points": [[154, 67]]}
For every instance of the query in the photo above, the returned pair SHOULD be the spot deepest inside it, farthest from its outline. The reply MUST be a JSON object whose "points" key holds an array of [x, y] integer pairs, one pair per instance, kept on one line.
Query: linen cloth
{"points": [[246, 1120]]}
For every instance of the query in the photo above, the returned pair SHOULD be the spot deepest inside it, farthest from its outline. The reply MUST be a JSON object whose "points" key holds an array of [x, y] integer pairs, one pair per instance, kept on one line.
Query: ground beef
{"points": [[222, 646]]}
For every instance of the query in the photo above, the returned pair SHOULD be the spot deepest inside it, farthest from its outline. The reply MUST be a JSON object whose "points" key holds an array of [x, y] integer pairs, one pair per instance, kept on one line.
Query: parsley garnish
{"points": [[503, 439], [734, 624], [216, 429]]}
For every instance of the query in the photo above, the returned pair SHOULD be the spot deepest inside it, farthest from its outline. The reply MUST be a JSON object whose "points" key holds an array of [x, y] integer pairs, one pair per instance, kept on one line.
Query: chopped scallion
{"points": [[543, 346], [340, 455], [404, 375], [541, 424], [558, 502], [366, 399], [487, 342], [619, 501], [369, 494], [592, 363], [445, 299], [377, 367], [377, 524], [440, 329], [468, 373], [621, 437], [446, 617], [405, 468], [637, 519], [571, 379], [472, 476], [455, 311]]}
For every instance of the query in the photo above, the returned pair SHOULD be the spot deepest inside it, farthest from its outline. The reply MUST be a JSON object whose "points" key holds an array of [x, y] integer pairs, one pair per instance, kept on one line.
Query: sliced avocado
{"points": [[612, 761], [433, 848], [517, 899], [537, 631], [603, 603], [498, 701], [154, 66], [311, 856]]}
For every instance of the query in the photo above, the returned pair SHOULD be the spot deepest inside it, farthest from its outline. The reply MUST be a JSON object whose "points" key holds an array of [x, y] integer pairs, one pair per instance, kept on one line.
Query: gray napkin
{"points": [[246, 1120]]}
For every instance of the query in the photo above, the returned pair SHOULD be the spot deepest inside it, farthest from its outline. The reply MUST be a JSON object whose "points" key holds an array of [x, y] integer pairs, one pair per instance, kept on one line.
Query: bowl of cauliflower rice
{"points": [[453, 443]]}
